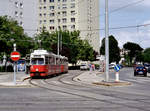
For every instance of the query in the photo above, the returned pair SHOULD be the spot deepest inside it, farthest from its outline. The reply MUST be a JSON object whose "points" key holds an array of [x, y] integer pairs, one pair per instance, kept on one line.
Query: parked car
{"points": [[140, 70], [148, 69], [147, 66], [84, 67], [111, 66]]}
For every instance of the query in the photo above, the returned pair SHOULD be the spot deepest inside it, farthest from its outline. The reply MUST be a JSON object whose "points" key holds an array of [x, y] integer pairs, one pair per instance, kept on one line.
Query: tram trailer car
{"points": [[43, 63]]}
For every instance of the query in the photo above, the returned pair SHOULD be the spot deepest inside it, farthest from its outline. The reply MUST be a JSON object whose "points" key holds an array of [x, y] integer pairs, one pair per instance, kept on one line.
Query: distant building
{"points": [[70, 15], [24, 11]]}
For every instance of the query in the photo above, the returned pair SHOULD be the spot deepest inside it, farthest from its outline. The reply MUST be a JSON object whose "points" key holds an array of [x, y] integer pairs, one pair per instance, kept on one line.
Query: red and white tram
{"points": [[43, 63]]}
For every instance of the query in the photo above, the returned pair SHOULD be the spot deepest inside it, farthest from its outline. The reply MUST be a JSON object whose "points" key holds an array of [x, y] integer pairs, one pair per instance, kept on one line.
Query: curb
{"points": [[112, 83], [102, 82]]}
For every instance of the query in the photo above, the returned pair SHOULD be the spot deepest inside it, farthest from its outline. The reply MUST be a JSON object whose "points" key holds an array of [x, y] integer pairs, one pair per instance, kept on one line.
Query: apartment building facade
{"points": [[52, 15], [71, 15], [24, 11]]}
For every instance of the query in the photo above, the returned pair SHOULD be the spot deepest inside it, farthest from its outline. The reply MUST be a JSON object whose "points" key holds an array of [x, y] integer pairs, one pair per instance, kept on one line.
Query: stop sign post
{"points": [[15, 56]]}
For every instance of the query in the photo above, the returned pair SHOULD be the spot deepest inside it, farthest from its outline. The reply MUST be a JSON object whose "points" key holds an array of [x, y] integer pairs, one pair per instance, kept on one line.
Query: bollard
{"points": [[117, 77]]}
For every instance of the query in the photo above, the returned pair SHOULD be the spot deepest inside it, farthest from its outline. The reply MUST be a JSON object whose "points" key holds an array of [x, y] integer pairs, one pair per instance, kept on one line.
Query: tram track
{"points": [[80, 93]]}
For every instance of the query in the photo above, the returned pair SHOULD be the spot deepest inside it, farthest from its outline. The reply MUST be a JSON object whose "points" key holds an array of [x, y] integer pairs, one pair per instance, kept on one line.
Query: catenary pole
{"points": [[106, 42]]}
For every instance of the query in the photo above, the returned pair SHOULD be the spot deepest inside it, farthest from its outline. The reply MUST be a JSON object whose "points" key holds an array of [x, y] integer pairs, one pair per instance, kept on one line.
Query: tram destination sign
{"points": [[15, 56]]}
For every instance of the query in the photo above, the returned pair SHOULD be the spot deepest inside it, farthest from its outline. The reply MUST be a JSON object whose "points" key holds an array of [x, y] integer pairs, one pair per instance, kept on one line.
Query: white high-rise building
{"points": [[71, 15], [33, 15], [24, 11]]}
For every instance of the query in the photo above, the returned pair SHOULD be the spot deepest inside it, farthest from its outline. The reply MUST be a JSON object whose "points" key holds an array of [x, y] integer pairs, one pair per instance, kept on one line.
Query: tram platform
{"points": [[98, 78]]}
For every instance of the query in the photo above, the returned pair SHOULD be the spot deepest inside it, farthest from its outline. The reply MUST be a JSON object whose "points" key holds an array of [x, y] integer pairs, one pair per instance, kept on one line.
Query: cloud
{"points": [[141, 37]]}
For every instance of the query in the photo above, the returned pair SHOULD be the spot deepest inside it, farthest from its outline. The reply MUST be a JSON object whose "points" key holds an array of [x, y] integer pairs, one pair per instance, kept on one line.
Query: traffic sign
{"points": [[15, 56], [117, 68]]}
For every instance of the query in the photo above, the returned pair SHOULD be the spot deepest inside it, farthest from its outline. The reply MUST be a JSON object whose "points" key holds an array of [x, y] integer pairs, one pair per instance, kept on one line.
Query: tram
{"points": [[43, 63]]}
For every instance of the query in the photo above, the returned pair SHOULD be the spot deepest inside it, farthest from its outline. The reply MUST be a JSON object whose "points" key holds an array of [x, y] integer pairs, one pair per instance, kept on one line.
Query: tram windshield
{"points": [[37, 61]]}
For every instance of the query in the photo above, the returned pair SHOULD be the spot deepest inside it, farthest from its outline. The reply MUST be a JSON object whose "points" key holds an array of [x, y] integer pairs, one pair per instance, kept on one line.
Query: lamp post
{"points": [[106, 41], [14, 65], [58, 44]]}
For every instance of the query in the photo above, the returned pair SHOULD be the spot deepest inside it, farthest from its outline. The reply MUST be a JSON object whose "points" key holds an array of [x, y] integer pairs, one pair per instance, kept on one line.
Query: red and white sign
{"points": [[15, 56]]}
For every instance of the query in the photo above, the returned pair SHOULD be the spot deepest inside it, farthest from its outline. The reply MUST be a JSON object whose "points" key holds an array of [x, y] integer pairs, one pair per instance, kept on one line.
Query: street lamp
{"points": [[14, 46], [58, 45]]}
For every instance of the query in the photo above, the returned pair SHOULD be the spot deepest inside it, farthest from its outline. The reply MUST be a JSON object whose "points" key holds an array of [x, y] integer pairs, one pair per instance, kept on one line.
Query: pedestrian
{"points": [[93, 67]]}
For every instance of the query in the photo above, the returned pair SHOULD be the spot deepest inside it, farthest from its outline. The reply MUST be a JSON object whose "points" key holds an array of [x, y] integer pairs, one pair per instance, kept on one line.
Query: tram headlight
{"points": [[36, 69]]}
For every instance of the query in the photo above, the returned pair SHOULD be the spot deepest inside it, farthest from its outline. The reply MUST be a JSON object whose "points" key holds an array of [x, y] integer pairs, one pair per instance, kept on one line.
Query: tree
{"points": [[114, 50], [71, 45], [146, 55], [133, 49], [10, 33]]}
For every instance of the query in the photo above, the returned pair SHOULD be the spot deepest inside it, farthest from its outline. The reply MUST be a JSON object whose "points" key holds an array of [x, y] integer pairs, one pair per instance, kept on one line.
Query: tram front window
{"points": [[37, 61]]}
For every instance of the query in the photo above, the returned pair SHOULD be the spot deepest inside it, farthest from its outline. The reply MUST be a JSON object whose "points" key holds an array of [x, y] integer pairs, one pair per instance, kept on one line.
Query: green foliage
{"points": [[133, 50], [146, 55], [71, 45], [114, 50], [10, 33]]}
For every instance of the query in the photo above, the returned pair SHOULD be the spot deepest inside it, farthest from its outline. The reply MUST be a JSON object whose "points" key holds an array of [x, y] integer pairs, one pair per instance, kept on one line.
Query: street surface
{"points": [[61, 93]]}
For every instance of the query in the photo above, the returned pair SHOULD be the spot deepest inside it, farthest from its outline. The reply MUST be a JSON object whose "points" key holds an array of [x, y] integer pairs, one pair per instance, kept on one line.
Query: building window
{"points": [[44, 14], [16, 4], [40, 21], [16, 13], [51, 7], [59, 20], [64, 0], [21, 5], [73, 27], [40, 15], [58, 0], [64, 13], [72, 5], [64, 6], [72, 19], [51, 21], [51, 27], [64, 20], [21, 14], [51, 0], [40, 8], [44, 1], [44, 7], [52, 14], [64, 27], [44, 21], [21, 23], [72, 12], [58, 6]]}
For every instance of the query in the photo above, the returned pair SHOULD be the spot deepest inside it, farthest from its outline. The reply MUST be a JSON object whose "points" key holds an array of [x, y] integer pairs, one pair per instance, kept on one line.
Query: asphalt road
{"points": [[61, 93]]}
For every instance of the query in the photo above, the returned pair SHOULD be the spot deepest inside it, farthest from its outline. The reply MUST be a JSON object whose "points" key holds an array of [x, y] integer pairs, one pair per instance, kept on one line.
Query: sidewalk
{"points": [[98, 78], [7, 79]]}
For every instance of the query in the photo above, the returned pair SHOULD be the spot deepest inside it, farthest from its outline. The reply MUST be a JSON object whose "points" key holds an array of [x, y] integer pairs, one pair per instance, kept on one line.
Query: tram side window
{"points": [[57, 61], [46, 60], [52, 60]]}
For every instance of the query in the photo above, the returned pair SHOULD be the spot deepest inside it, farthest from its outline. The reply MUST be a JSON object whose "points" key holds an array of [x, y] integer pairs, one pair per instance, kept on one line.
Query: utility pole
{"points": [[106, 42], [58, 43]]}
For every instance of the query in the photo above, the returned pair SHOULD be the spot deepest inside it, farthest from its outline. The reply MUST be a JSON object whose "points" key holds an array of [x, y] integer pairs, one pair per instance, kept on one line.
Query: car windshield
{"points": [[37, 61], [139, 66]]}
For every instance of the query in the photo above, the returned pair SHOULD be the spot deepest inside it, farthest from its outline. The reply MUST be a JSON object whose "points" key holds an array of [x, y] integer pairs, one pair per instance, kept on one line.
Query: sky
{"points": [[125, 13]]}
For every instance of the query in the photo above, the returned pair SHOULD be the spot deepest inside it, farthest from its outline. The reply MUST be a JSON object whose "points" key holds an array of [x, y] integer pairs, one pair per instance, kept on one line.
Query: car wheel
{"points": [[145, 75], [134, 73]]}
